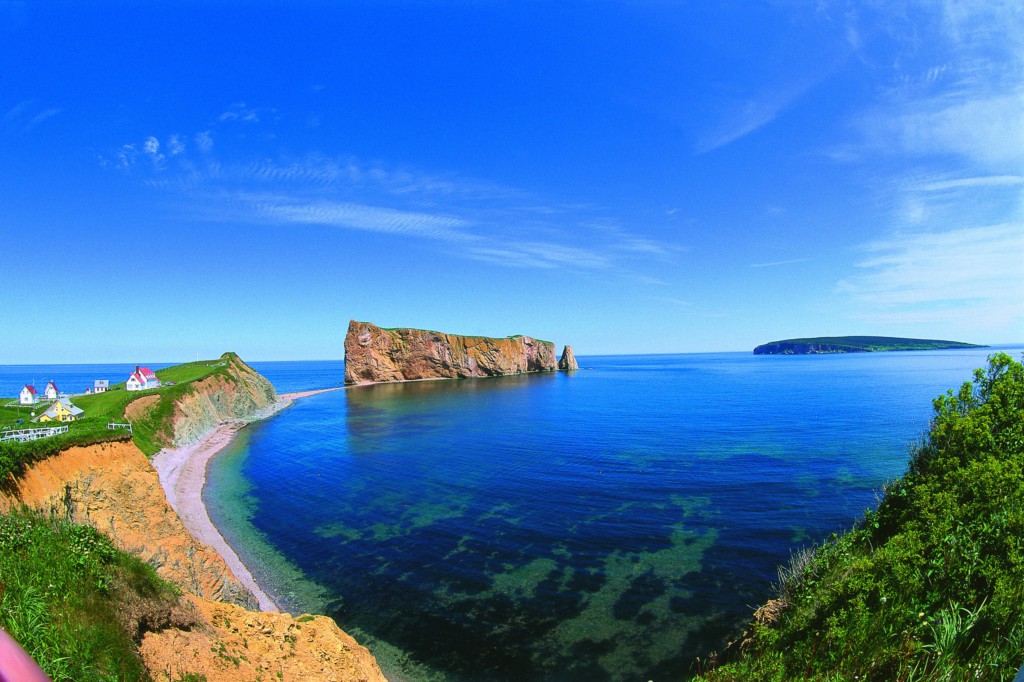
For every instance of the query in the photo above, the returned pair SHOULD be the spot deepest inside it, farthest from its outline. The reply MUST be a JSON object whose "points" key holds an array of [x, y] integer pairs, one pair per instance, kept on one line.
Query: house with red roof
{"points": [[28, 395], [141, 379]]}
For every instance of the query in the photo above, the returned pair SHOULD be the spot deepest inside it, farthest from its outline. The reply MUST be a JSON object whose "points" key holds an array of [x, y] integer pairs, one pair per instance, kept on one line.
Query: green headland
{"points": [[855, 344], [101, 409]]}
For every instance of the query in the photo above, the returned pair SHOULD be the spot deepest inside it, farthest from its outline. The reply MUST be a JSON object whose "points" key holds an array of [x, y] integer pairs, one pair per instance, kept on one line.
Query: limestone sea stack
{"points": [[374, 354], [568, 361]]}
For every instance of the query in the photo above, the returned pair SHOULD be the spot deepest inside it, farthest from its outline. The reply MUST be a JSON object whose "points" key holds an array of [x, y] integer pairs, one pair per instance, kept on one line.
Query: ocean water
{"points": [[611, 524]]}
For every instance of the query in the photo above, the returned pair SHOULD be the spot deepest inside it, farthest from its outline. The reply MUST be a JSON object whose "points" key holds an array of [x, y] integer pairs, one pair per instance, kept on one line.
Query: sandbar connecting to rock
{"points": [[182, 473]]}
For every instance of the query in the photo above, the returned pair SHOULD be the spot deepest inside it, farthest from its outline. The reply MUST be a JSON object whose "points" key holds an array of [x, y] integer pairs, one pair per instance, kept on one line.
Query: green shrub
{"points": [[930, 585]]}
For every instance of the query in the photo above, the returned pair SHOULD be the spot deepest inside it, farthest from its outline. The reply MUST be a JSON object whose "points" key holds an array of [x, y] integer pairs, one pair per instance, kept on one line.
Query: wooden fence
{"points": [[25, 435]]}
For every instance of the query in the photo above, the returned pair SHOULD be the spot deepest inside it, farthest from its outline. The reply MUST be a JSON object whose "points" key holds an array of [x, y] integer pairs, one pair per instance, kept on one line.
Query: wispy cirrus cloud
{"points": [[523, 254], [25, 116], [777, 263], [754, 113], [361, 217], [944, 143], [40, 117], [968, 274], [463, 217]]}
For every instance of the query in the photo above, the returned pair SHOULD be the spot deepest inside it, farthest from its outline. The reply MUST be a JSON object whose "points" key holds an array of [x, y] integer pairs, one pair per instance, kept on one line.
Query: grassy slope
{"points": [[930, 586], [102, 408], [74, 602]]}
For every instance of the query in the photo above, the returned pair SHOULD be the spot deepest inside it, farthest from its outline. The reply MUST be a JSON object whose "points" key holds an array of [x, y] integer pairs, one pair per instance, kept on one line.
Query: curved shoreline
{"points": [[182, 474]]}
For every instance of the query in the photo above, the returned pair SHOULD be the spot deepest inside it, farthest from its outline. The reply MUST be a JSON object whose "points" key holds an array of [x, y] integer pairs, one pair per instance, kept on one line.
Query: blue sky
{"points": [[626, 177]]}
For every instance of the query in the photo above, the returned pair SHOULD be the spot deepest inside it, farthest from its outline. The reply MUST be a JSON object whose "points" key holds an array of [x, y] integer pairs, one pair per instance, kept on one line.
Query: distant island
{"points": [[855, 344]]}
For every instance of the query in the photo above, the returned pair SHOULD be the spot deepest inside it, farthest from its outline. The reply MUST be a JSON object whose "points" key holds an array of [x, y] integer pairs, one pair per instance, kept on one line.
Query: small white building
{"points": [[28, 396], [51, 392], [100, 385], [141, 379]]}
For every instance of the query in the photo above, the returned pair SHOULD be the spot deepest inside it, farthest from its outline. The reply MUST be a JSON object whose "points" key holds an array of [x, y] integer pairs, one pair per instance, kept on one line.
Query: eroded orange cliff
{"points": [[114, 488], [374, 354]]}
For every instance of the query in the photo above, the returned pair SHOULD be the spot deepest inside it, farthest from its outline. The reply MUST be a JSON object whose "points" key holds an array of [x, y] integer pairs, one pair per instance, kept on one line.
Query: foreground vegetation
{"points": [[930, 585], [76, 604], [150, 433]]}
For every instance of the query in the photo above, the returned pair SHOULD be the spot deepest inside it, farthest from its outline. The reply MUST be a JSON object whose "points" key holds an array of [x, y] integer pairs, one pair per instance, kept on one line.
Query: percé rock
{"points": [[373, 354], [568, 361]]}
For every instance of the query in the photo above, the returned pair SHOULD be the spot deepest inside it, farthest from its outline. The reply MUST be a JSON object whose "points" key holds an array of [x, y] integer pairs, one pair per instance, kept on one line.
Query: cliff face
{"points": [[113, 487], [240, 393], [212, 630], [567, 363], [373, 354]]}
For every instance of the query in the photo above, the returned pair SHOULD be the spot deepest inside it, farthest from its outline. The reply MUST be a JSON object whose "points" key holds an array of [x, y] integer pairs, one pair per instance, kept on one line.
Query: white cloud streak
{"points": [[362, 217], [465, 218], [791, 261], [754, 114], [970, 273]]}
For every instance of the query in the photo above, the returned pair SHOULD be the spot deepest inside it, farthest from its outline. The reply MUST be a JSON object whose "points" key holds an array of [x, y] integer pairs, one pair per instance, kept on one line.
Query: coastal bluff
{"points": [[854, 344], [374, 354], [210, 627]]}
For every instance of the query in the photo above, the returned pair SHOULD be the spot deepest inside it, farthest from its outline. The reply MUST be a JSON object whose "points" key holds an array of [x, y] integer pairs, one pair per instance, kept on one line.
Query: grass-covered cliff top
{"points": [[464, 336], [930, 585], [854, 344], [103, 408]]}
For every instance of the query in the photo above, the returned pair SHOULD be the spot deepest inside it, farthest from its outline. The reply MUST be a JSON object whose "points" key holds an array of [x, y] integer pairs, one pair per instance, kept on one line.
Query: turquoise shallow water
{"points": [[611, 524]]}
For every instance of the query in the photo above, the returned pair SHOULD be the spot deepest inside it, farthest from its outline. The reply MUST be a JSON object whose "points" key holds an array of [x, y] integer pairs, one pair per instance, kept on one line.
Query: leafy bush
{"points": [[930, 585]]}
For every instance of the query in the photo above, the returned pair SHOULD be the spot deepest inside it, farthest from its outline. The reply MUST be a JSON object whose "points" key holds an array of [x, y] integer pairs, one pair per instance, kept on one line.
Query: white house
{"points": [[28, 396], [51, 392], [141, 379], [100, 385]]}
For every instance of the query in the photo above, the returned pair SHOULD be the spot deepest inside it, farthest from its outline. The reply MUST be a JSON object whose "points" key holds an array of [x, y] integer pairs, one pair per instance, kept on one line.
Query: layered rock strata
{"points": [[374, 354], [113, 487], [242, 393], [567, 363]]}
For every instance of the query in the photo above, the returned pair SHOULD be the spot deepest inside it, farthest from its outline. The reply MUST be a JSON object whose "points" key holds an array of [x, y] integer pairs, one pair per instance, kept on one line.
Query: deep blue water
{"points": [[611, 524]]}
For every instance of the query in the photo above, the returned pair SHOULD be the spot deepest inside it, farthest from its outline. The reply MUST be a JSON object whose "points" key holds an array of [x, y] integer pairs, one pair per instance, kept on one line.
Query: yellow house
{"points": [[61, 411]]}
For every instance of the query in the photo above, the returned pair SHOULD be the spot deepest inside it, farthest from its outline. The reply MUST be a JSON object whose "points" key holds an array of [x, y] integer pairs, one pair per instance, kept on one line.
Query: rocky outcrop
{"points": [[373, 354], [237, 393], [242, 646], [567, 363]]}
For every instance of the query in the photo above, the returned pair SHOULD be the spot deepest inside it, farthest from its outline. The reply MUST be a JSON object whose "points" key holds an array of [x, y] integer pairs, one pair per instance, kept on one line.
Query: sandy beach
{"points": [[182, 473]]}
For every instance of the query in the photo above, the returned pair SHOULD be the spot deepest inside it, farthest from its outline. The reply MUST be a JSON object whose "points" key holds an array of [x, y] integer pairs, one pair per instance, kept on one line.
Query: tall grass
{"points": [[63, 591]]}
